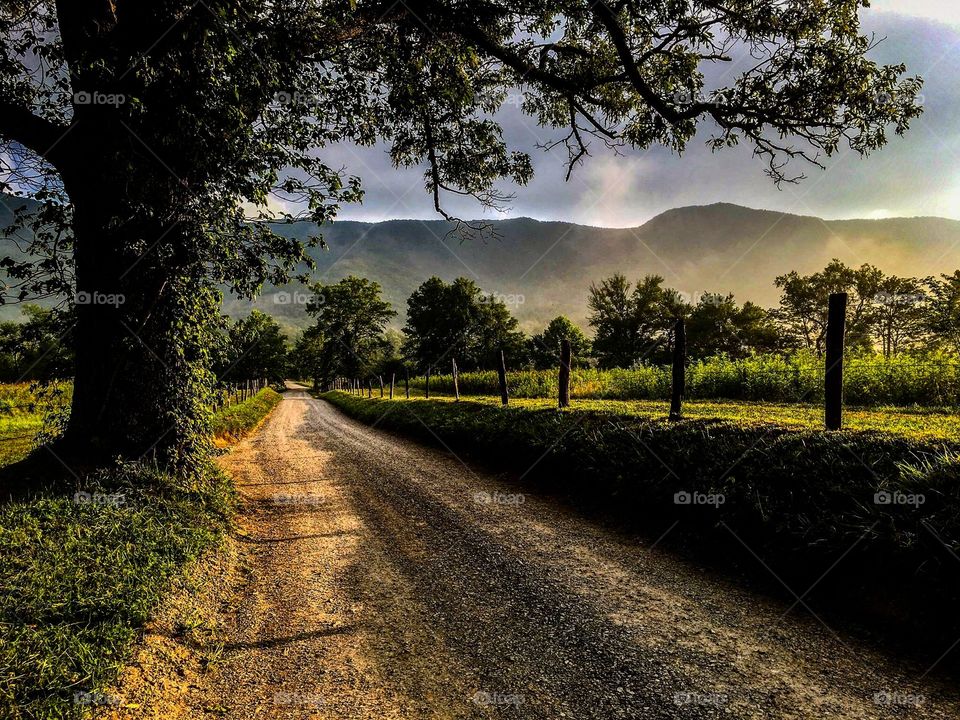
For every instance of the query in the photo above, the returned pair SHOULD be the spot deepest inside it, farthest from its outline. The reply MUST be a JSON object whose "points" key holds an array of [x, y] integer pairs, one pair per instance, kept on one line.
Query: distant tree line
{"points": [[632, 324]]}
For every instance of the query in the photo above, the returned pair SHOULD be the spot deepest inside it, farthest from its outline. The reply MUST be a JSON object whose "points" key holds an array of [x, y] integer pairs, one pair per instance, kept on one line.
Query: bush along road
{"points": [[383, 578]]}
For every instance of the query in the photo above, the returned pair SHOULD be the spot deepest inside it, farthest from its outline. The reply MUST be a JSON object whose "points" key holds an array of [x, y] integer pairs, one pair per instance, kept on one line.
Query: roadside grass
{"points": [[82, 570], [232, 423], [884, 507]]}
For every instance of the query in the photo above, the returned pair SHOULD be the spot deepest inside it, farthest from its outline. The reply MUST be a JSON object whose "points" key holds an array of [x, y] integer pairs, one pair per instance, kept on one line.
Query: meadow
{"points": [[931, 380]]}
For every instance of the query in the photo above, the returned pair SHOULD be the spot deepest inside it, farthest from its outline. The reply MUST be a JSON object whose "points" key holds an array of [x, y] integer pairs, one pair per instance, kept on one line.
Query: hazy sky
{"points": [[916, 175]]}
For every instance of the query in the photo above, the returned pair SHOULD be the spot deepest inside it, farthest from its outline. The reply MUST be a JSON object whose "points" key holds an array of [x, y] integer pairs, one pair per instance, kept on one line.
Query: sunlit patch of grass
{"points": [[23, 410], [912, 422], [235, 421], [78, 579]]}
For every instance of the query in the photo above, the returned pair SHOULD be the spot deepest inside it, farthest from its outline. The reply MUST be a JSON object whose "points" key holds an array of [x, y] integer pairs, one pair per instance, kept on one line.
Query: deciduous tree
{"points": [[163, 139]]}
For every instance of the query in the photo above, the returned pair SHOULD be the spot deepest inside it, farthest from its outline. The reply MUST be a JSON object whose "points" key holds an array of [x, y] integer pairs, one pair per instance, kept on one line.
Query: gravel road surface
{"points": [[385, 579]]}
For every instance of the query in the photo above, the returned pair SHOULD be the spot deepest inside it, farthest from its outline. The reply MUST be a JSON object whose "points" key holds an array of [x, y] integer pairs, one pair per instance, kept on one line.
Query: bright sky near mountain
{"points": [[947, 11]]}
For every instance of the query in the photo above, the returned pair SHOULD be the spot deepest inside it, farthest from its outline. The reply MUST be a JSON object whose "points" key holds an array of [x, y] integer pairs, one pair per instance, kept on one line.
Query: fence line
{"points": [[231, 393]]}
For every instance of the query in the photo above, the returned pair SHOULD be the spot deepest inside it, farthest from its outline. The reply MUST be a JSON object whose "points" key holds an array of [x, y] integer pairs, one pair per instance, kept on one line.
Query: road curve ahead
{"points": [[385, 579]]}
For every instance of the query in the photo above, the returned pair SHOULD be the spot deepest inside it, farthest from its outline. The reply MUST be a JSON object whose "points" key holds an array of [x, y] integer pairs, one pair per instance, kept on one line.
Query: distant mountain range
{"points": [[544, 269]]}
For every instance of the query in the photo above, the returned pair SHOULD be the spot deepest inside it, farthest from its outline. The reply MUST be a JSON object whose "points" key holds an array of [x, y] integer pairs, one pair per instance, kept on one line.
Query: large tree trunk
{"points": [[141, 339]]}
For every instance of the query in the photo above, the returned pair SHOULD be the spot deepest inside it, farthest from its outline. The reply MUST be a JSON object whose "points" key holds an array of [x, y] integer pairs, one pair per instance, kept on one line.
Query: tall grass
{"points": [[930, 380]]}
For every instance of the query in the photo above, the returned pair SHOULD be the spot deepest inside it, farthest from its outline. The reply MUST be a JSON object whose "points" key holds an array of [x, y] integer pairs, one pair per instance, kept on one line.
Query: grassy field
{"points": [[869, 380], [80, 574], [913, 422], [22, 413]]}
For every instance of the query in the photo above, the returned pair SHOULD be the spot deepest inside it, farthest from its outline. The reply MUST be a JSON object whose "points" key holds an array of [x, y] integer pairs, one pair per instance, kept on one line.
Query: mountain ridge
{"points": [[546, 266]]}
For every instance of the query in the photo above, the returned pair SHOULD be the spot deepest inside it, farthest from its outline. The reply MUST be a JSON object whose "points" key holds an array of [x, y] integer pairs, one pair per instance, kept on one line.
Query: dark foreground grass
{"points": [[82, 569], [880, 511]]}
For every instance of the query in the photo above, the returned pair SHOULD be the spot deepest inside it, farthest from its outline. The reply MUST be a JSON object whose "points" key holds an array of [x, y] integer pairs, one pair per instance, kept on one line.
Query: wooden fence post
{"points": [[380, 378], [456, 384], [833, 376], [502, 377], [566, 357], [406, 381], [393, 377], [678, 388], [426, 387], [369, 387]]}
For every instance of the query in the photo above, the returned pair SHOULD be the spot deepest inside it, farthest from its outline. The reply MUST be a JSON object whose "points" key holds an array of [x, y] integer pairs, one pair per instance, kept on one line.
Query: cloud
{"points": [[940, 10], [914, 175]]}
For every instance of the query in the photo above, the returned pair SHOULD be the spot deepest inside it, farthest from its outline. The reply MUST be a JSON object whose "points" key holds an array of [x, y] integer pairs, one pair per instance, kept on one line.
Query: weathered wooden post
{"points": [[426, 386], [678, 390], [566, 357], [406, 381], [502, 377], [380, 378], [369, 387], [456, 384], [833, 376], [393, 377]]}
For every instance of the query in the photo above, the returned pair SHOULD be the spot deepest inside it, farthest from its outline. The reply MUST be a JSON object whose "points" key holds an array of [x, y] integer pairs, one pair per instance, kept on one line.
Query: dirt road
{"points": [[389, 580]]}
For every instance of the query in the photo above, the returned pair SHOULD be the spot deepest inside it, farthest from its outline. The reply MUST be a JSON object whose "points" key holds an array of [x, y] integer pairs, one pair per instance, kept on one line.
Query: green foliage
{"points": [[629, 325], [944, 317], [805, 299], [717, 326], [545, 347], [39, 348], [348, 338], [458, 321], [78, 580], [254, 348]]}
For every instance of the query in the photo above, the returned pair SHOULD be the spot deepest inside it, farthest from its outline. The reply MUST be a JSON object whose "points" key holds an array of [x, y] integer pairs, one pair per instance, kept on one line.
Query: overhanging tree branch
{"points": [[34, 133]]}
